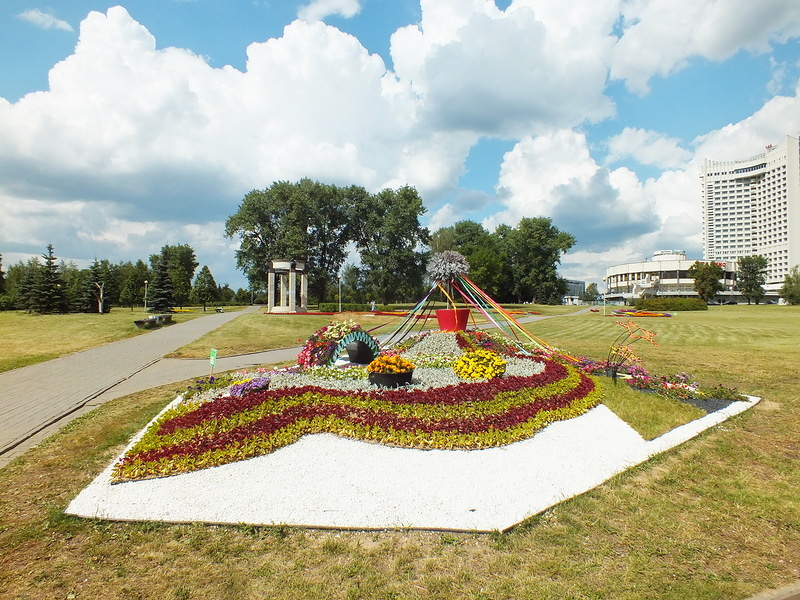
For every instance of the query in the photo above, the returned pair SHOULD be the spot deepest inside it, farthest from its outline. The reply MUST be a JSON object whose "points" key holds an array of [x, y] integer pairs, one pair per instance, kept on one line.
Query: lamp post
{"points": [[340, 292], [145, 295]]}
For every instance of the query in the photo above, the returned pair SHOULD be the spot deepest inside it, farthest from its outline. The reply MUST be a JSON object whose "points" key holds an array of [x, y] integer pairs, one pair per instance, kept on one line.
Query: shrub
{"points": [[351, 307], [671, 304]]}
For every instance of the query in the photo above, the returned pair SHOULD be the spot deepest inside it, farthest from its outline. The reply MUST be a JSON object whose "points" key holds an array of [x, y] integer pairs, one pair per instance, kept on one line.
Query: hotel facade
{"points": [[665, 274], [752, 207]]}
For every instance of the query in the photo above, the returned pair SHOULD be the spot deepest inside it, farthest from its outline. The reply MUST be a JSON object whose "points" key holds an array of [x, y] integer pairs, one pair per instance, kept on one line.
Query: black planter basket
{"points": [[390, 380]]}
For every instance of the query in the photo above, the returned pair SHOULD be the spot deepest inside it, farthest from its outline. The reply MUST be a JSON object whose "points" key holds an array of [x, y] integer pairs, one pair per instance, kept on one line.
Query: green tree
{"points": [[752, 276], [443, 239], [225, 293], [181, 264], [2, 277], [535, 248], [243, 296], [205, 288], [129, 293], [353, 285], [27, 276], [298, 221], [489, 267], [591, 294], [790, 291], [181, 285], [389, 241], [706, 277], [50, 293], [161, 297]]}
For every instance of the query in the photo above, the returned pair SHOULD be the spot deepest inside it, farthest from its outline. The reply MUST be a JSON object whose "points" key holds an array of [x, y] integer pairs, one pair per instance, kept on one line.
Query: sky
{"points": [[124, 127]]}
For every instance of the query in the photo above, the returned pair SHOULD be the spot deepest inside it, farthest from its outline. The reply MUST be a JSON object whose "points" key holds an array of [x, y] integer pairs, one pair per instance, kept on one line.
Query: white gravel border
{"points": [[331, 482]]}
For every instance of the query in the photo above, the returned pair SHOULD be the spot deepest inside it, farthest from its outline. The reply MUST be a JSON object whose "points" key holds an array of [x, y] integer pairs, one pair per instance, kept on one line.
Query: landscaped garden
{"points": [[714, 518]]}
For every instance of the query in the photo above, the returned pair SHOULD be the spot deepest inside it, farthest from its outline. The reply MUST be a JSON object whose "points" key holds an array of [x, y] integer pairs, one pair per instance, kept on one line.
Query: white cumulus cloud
{"points": [[319, 9], [506, 73], [660, 37], [647, 148], [44, 20]]}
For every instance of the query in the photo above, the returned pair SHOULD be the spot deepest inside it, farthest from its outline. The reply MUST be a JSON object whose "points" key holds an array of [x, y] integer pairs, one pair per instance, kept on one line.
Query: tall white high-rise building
{"points": [[752, 207]]}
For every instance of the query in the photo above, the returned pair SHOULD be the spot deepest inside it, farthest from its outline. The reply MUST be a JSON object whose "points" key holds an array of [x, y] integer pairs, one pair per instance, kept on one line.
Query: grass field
{"points": [[257, 331], [716, 518], [26, 338]]}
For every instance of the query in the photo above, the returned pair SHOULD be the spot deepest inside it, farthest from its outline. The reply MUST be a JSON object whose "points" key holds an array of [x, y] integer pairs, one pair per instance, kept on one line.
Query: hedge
{"points": [[671, 304], [352, 307]]}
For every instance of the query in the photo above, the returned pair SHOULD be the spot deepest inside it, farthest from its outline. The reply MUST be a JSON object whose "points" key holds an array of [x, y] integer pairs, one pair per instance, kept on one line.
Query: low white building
{"points": [[666, 274]]}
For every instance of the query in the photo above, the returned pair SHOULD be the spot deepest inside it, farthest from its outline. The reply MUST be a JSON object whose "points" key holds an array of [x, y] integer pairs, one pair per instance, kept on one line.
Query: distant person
{"points": [[372, 305]]}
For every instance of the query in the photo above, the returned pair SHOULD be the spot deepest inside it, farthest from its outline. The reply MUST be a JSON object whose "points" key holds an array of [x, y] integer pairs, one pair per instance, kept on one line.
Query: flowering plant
{"points": [[479, 364], [251, 384], [320, 347], [390, 364], [621, 352]]}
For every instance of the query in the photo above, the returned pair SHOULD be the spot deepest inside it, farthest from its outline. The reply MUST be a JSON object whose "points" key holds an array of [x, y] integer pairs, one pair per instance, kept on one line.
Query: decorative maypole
{"points": [[446, 269]]}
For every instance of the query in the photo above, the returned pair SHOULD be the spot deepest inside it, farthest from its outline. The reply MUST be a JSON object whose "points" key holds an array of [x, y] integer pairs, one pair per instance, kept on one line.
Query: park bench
{"points": [[153, 321]]}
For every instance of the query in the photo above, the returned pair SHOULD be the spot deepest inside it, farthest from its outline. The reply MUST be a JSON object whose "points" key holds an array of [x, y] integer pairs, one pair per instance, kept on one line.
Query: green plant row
{"points": [[502, 403], [361, 416], [671, 304], [353, 307], [264, 444]]}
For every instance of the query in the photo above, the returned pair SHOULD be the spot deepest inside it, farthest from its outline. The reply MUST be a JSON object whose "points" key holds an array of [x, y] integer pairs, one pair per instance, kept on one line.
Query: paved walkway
{"points": [[40, 399]]}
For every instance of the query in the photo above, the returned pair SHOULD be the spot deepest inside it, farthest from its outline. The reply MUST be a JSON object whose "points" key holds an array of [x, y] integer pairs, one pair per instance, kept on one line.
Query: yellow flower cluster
{"points": [[390, 364], [479, 364]]}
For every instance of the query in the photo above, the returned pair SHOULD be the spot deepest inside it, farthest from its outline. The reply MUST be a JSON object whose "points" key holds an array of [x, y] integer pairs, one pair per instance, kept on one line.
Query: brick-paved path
{"points": [[39, 399]]}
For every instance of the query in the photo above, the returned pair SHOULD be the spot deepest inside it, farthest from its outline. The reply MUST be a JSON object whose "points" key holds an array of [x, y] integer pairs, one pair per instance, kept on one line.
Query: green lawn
{"points": [[26, 338], [256, 332], [716, 518]]}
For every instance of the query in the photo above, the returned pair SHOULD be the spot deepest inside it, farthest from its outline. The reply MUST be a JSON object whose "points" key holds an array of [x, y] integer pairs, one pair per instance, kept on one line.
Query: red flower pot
{"points": [[452, 319]]}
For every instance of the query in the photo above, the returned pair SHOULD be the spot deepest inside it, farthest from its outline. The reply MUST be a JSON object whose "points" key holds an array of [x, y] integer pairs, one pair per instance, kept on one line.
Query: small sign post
{"points": [[213, 359]]}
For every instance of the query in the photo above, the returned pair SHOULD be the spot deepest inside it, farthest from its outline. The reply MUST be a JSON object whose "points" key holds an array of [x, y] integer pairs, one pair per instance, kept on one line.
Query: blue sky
{"points": [[127, 126]]}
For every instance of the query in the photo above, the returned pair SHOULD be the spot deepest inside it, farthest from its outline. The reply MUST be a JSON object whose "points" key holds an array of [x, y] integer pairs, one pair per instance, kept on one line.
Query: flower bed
{"points": [[202, 432]]}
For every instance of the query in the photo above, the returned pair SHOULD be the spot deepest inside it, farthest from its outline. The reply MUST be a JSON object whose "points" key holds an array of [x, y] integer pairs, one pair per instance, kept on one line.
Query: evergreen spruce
{"points": [[28, 282], [161, 297], [49, 296]]}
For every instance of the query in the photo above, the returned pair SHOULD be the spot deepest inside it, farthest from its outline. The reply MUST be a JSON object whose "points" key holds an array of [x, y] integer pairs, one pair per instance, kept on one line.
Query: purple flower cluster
{"points": [[251, 385]]}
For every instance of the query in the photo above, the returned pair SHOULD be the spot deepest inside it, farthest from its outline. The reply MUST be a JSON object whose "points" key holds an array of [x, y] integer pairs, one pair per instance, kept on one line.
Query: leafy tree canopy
{"points": [[318, 223], [791, 286], [707, 277], [205, 288], [752, 276]]}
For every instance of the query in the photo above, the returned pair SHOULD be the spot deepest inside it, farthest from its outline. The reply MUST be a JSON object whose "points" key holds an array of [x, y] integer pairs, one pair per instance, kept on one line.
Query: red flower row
{"points": [[451, 395], [305, 414]]}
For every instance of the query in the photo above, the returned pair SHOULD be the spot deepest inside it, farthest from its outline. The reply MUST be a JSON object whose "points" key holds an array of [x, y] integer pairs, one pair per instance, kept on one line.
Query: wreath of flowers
{"points": [[321, 346]]}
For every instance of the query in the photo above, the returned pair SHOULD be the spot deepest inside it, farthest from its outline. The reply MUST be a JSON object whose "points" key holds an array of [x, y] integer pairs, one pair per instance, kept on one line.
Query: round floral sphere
{"points": [[447, 265]]}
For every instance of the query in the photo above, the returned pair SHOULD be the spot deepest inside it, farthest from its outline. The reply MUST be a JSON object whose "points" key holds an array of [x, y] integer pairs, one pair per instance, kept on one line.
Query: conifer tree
{"points": [[49, 296], [161, 297]]}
